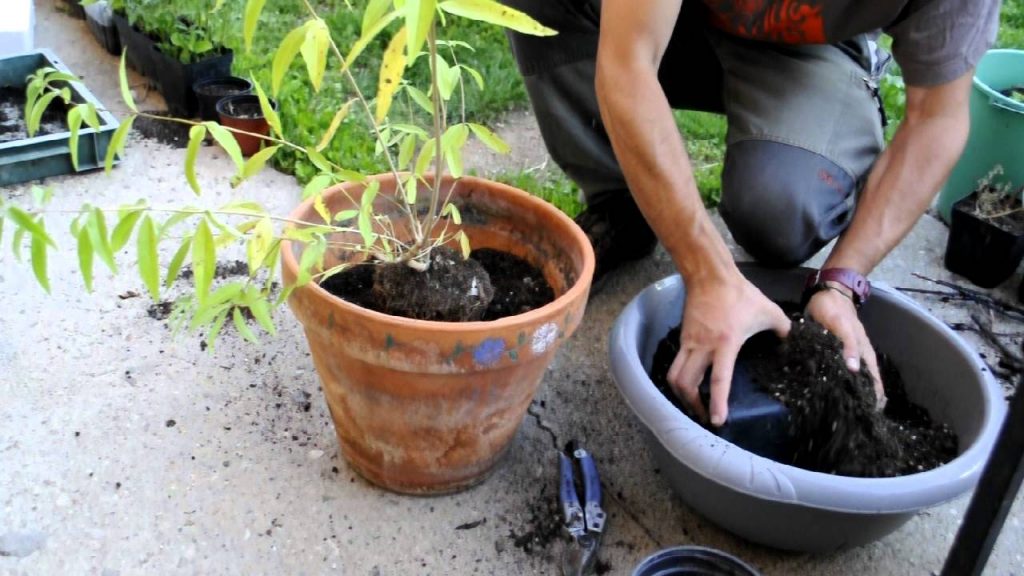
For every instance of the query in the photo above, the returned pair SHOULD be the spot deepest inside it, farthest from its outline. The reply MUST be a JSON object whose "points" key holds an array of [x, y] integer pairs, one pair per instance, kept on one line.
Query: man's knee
{"points": [[783, 203]]}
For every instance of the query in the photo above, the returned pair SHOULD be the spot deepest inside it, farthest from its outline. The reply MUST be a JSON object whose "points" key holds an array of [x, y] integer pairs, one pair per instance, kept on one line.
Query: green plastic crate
{"points": [[50, 155]]}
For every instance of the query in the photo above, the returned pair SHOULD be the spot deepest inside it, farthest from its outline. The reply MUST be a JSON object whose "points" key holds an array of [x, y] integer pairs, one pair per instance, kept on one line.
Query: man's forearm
{"points": [[654, 160], [905, 178]]}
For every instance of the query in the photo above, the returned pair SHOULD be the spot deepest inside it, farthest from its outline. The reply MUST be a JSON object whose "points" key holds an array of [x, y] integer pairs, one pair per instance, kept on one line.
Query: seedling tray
{"points": [[50, 155]]}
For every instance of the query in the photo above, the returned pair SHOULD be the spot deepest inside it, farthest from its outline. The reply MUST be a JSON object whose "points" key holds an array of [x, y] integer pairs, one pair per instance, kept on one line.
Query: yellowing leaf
{"points": [[391, 69], [253, 8], [495, 13], [368, 35], [259, 244], [464, 244], [335, 123], [314, 51], [321, 208]]}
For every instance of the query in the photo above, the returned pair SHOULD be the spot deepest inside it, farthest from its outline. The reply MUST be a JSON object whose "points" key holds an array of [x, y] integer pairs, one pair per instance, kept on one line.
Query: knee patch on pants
{"points": [[783, 203]]}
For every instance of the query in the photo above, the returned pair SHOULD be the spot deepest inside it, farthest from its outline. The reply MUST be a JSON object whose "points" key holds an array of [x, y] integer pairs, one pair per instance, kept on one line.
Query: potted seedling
{"points": [[432, 301], [986, 233], [244, 113], [212, 90]]}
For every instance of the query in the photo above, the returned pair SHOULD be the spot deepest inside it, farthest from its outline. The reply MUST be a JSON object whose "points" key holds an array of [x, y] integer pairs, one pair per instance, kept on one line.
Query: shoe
{"points": [[619, 234]]}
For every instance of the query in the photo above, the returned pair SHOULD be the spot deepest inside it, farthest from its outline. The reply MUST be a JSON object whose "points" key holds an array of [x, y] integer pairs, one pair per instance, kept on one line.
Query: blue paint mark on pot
{"points": [[489, 351], [389, 342]]}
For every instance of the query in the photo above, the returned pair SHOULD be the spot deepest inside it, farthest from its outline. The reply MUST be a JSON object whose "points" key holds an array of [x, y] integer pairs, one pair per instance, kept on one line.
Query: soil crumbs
{"points": [[12, 116], [835, 425], [491, 284]]}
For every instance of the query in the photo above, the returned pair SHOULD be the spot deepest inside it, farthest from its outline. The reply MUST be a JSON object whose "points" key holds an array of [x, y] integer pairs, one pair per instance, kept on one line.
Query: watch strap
{"points": [[858, 285]]}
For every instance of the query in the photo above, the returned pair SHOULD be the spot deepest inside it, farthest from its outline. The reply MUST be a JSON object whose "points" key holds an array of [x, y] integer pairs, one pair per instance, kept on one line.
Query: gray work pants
{"points": [[805, 124]]}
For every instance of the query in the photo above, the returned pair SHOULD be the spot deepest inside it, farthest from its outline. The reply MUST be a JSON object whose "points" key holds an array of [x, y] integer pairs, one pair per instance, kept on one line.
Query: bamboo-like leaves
{"points": [[259, 244], [419, 16], [85, 257], [268, 110], [490, 139], [123, 229], [38, 251], [149, 265], [312, 259], [196, 134], [496, 13], [96, 225], [286, 52], [391, 69], [126, 91], [368, 35], [117, 142], [74, 123], [317, 185], [254, 164], [375, 10], [253, 8], [335, 123], [227, 141], [452, 142], [204, 260], [242, 327], [314, 51], [177, 260]]}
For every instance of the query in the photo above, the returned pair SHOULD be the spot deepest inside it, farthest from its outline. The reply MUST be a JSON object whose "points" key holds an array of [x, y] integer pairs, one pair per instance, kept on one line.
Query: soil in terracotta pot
{"points": [[12, 117], [171, 133], [834, 421], [244, 110], [491, 284]]}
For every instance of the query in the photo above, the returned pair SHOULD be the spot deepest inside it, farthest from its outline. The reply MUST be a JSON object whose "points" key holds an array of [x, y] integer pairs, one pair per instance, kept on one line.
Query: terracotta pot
{"points": [[242, 112], [430, 407]]}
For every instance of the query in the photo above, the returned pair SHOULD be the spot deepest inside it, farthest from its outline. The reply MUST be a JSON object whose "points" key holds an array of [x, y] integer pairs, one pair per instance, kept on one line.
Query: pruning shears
{"points": [[583, 522]]}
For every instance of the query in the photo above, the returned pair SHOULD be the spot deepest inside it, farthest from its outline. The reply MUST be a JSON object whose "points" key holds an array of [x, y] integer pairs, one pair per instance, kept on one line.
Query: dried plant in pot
{"points": [[421, 405], [986, 233]]}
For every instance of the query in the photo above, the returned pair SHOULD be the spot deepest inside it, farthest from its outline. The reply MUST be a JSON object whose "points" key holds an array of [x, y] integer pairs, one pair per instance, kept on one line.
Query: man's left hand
{"points": [[834, 310]]}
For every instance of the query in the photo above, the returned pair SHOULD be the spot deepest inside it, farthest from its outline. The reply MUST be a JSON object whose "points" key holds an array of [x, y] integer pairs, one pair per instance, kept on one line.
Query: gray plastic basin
{"points": [[791, 508]]}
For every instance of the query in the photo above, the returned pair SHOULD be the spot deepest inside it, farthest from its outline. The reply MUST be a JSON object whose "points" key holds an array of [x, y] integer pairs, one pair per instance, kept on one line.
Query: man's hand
{"points": [[834, 310], [719, 318]]}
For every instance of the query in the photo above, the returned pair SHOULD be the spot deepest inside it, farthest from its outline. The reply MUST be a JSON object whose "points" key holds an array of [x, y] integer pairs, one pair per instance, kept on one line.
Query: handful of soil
{"points": [[834, 422]]}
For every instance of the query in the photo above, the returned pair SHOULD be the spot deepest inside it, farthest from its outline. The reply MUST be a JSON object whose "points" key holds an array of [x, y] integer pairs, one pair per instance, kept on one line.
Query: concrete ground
{"points": [[126, 449]]}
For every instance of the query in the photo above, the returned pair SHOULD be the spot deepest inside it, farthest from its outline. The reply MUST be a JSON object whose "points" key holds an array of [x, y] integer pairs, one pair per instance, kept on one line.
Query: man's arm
{"points": [[899, 189], [722, 308]]}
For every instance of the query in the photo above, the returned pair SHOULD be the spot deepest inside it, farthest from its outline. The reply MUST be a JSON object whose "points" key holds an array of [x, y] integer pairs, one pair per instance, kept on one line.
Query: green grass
{"points": [[551, 185]]}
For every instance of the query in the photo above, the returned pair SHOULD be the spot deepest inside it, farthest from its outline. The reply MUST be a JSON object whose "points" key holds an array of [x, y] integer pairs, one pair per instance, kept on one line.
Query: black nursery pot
{"points": [[105, 34], [209, 91], [979, 250], [175, 80], [693, 560]]}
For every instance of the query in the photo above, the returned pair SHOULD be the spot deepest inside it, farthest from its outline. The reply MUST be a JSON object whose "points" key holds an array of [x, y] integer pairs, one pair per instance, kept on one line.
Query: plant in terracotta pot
{"points": [[244, 113], [986, 233], [432, 301]]}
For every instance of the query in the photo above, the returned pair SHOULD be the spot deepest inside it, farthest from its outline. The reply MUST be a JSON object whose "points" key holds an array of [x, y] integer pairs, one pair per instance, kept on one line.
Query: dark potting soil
{"points": [[12, 116], [835, 425], [491, 284], [245, 110], [166, 132], [219, 90]]}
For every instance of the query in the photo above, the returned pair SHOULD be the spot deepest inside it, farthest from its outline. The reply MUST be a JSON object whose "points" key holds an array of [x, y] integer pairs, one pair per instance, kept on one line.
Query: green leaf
{"points": [[215, 329], [29, 224], [335, 123], [314, 51], [420, 98], [253, 8], [345, 215], [117, 142], [495, 13], [85, 257], [453, 211], [410, 189], [286, 52], [464, 244], [123, 229], [375, 10], [38, 251], [452, 141], [74, 123], [242, 327], [254, 164], [319, 160], [490, 139], [259, 244], [446, 81], [391, 69], [405, 150], [261, 312], [19, 238], [476, 75], [426, 156], [42, 195], [204, 260], [312, 257], [196, 134], [419, 15], [149, 263], [359, 45], [89, 115], [317, 185], [268, 110], [227, 141], [179, 258], [96, 225], [36, 116], [126, 91]]}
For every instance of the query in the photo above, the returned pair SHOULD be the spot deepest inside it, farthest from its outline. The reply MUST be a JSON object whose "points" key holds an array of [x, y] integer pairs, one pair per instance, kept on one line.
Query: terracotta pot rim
{"points": [[582, 284]]}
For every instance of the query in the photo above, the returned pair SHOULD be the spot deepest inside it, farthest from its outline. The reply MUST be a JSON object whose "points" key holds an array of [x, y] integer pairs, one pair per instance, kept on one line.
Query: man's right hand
{"points": [[719, 317]]}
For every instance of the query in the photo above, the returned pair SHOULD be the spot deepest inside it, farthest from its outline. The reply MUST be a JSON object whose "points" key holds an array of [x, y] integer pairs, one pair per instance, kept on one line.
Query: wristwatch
{"points": [[860, 288]]}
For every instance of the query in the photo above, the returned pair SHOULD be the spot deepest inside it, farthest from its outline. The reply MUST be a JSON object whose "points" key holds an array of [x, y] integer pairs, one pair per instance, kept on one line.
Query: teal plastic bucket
{"points": [[997, 129]]}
